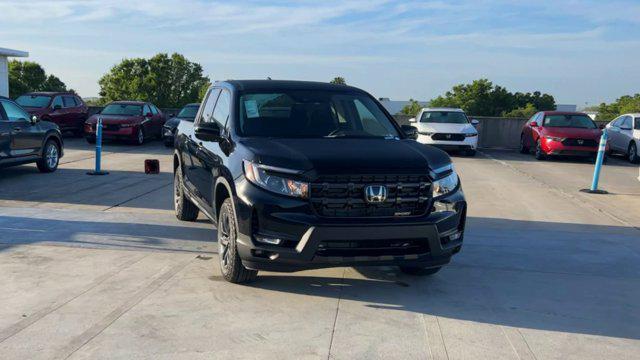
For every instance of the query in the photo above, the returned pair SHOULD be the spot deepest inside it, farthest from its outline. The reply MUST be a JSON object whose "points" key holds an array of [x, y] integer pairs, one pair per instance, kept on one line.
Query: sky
{"points": [[581, 51]]}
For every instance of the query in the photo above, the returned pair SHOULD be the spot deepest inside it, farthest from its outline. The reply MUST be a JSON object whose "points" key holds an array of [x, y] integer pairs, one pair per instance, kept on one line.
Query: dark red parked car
{"points": [[135, 121], [65, 109], [560, 133]]}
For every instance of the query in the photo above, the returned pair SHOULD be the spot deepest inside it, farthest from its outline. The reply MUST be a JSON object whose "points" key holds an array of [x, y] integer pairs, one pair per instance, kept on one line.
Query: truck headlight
{"points": [[445, 185], [260, 175]]}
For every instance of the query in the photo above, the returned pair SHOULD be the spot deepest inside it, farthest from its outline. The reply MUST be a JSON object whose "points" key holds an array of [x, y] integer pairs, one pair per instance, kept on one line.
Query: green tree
{"points": [[27, 76], [523, 112], [412, 108], [623, 105], [338, 80], [483, 98], [167, 81], [540, 101]]}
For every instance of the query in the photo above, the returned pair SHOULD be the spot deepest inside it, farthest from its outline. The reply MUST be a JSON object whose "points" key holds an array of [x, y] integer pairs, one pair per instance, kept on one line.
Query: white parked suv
{"points": [[447, 128], [624, 136]]}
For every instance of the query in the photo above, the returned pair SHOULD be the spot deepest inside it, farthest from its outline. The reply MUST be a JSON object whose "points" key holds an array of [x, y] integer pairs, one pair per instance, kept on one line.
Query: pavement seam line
{"points": [[335, 318], [137, 196], [18, 327], [446, 351], [88, 335]]}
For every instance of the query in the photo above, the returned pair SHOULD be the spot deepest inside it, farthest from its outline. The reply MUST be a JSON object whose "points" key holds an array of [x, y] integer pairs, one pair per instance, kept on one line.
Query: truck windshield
{"points": [[122, 109], [35, 101], [444, 117], [569, 121], [312, 114]]}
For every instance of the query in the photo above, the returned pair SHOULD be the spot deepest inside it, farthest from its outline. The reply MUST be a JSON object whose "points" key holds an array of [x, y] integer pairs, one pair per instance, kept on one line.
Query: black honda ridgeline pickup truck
{"points": [[301, 175]]}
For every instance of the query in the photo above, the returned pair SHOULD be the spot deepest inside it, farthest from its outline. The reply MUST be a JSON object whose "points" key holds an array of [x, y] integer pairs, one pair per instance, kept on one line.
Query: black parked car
{"points": [[25, 139], [188, 113], [301, 175]]}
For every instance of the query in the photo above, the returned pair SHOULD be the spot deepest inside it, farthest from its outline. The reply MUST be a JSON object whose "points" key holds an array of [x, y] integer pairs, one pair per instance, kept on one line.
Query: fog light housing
{"points": [[455, 236], [269, 240]]}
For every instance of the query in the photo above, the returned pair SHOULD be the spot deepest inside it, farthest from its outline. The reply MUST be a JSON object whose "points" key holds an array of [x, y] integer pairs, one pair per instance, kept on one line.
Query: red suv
{"points": [[560, 133], [127, 120], [65, 109]]}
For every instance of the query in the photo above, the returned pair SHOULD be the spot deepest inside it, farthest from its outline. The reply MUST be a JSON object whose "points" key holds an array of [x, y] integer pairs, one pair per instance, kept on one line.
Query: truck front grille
{"points": [[344, 195]]}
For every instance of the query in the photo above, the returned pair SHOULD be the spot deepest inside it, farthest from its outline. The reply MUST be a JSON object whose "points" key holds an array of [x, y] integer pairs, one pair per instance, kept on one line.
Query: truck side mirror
{"points": [[208, 131]]}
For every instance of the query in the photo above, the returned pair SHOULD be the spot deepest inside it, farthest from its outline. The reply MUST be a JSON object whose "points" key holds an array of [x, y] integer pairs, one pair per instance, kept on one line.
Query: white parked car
{"points": [[447, 128], [624, 136]]}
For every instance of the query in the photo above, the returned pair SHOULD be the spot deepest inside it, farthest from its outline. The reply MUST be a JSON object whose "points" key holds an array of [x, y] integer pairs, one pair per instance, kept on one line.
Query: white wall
{"points": [[4, 77]]}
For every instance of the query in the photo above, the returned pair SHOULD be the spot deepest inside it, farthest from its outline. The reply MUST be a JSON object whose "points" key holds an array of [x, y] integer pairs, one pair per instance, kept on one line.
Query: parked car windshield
{"points": [[122, 109], [188, 113], [36, 101], [444, 117], [569, 121], [312, 114]]}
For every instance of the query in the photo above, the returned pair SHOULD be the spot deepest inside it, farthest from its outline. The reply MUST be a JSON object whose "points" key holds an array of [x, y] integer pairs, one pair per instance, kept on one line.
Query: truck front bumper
{"points": [[308, 241]]}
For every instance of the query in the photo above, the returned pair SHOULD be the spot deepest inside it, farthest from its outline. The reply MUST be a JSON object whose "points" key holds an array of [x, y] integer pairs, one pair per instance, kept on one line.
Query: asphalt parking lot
{"points": [[98, 267]]}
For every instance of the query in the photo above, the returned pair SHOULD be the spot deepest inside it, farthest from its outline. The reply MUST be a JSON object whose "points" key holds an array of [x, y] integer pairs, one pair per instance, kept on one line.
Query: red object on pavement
{"points": [[151, 166]]}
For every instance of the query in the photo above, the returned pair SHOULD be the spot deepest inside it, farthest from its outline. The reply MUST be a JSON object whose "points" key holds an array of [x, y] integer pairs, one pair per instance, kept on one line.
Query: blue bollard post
{"points": [[599, 160], [98, 170]]}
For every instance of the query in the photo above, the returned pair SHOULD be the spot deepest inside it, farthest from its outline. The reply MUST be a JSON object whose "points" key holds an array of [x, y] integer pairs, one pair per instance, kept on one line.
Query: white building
{"points": [[4, 68]]}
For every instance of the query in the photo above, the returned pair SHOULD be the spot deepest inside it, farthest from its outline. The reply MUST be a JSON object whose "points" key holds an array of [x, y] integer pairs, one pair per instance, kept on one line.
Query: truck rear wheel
{"points": [[230, 263], [184, 208]]}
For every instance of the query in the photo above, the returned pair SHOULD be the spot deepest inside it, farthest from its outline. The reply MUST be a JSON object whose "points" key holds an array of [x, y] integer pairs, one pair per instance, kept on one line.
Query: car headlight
{"points": [[554, 138], [445, 185], [260, 175]]}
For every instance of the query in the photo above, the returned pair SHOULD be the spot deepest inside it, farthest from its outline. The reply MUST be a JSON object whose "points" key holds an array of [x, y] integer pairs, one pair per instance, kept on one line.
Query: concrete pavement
{"points": [[108, 272]]}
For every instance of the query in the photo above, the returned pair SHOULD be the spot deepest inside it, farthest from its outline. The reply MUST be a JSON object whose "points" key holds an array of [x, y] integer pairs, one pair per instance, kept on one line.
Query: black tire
{"points": [[419, 271], [632, 153], [91, 139], [184, 208], [50, 157], [140, 137], [540, 155], [523, 149], [230, 263]]}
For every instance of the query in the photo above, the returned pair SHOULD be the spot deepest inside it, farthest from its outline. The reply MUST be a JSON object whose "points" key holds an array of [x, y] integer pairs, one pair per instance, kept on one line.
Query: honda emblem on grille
{"points": [[375, 193], [580, 142]]}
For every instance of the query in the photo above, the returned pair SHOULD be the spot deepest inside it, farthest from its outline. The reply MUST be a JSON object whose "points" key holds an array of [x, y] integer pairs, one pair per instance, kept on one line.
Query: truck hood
{"points": [[445, 128], [347, 156]]}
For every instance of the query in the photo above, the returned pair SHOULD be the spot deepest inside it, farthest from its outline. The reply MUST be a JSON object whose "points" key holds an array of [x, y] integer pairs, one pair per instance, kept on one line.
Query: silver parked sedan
{"points": [[624, 136]]}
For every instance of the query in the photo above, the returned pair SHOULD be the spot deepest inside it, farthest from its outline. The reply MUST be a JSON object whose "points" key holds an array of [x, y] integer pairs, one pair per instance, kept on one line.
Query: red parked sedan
{"points": [[135, 121], [560, 133], [67, 110]]}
